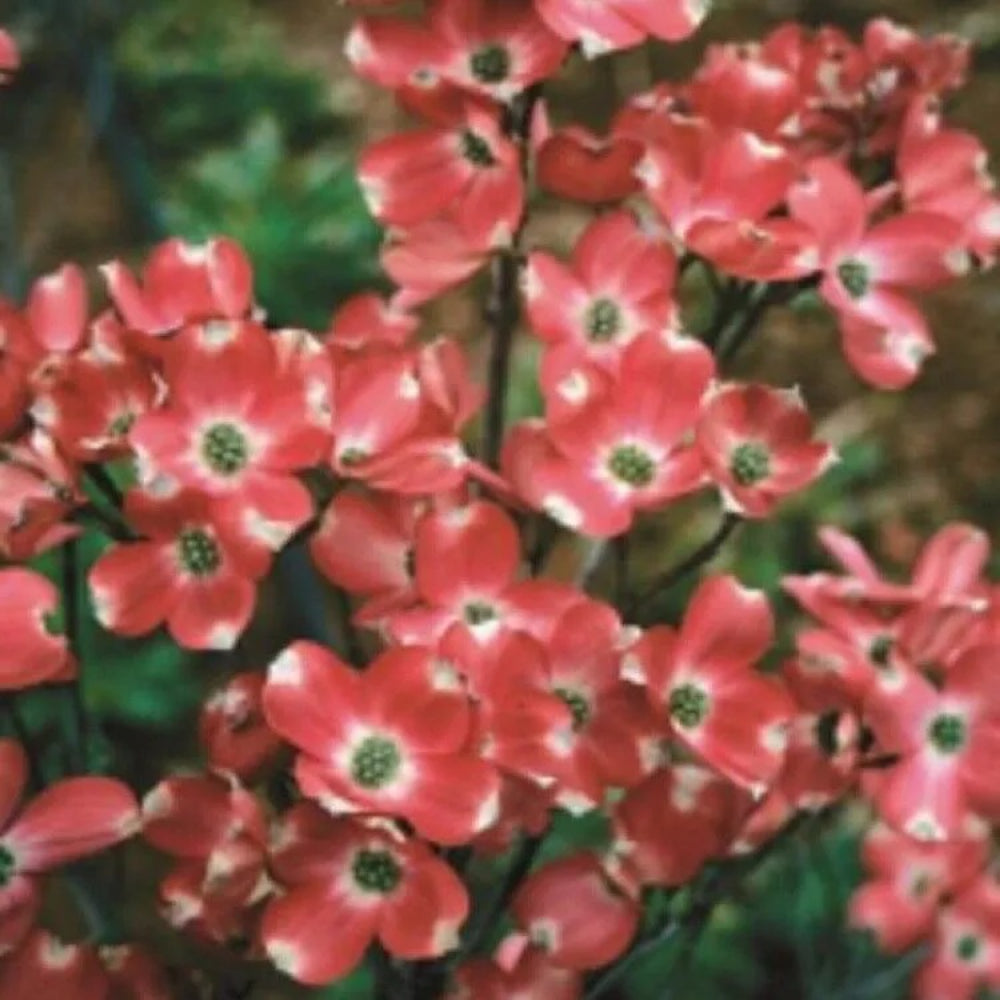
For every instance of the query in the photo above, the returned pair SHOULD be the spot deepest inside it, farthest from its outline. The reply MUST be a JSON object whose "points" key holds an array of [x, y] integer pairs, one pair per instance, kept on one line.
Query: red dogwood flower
{"points": [[182, 283], [478, 46], [391, 740], [699, 808], [909, 882], [574, 163], [35, 648], [572, 910], [518, 971], [946, 739], [232, 728], [381, 571], [619, 24], [703, 676], [966, 957], [10, 57], [465, 164], [348, 883], [71, 819], [193, 571], [758, 445], [232, 428], [621, 450], [619, 286], [46, 966], [217, 832], [868, 268], [466, 564]]}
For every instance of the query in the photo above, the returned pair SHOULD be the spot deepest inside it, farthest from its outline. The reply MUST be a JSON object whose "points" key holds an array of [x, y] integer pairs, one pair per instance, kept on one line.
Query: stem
{"points": [[21, 732], [108, 524], [728, 299], [502, 312], [519, 867], [715, 885], [389, 984], [593, 556], [77, 737], [602, 984], [100, 477], [731, 342], [546, 533], [705, 553], [100, 917], [351, 641], [503, 308], [91, 898], [621, 549]]}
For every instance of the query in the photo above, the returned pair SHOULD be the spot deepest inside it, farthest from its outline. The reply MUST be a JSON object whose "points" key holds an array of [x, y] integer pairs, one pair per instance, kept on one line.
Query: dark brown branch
{"points": [[702, 555], [503, 309]]}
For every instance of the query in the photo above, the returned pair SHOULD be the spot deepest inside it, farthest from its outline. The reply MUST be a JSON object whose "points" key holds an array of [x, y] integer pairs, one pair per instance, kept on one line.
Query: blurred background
{"points": [[135, 119]]}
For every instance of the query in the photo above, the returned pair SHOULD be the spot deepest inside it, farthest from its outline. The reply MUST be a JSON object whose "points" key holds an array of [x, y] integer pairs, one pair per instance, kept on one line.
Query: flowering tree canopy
{"points": [[466, 695]]}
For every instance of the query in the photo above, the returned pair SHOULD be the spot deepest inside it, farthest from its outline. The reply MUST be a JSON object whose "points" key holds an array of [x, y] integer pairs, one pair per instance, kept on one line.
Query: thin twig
{"points": [[503, 309], [702, 555], [351, 641], [519, 867], [546, 533], [21, 732], [715, 885], [622, 551], [502, 314], [100, 477], [729, 299], [732, 341], [649, 944], [110, 525]]}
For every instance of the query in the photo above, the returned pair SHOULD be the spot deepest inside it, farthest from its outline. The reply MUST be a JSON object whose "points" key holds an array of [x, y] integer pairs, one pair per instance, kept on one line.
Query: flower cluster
{"points": [[473, 695], [911, 668]]}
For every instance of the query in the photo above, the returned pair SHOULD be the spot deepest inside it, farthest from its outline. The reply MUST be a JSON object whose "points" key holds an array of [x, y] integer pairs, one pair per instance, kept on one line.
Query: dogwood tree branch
{"points": [[701, 556], [503, 309]]}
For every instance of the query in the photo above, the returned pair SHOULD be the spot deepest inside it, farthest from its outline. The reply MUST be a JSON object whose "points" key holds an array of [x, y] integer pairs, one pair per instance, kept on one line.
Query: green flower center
{"points": [[688, 705], [7, 866], [750, 463], [947, 733], [225, 449], [879, 650], [603, 320], [199, 553], [376, 871], [478, 613], [855, 277], [477, 150], [577, 703], [121, 425], [353, 456], [376, 762], [490, 64], [632, 465], [967, 947]]}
